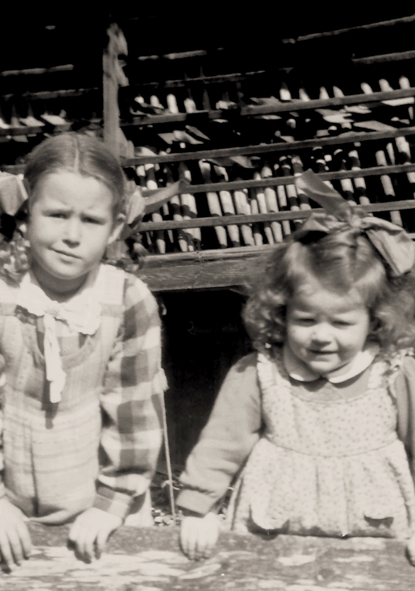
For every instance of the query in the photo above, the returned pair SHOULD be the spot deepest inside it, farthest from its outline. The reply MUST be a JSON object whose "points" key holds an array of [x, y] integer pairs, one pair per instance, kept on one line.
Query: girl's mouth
{"points": [[67, 254]]}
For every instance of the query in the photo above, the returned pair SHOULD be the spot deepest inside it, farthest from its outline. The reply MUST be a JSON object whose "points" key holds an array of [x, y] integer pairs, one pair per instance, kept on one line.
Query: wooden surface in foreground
{"points": [[149, 559]]}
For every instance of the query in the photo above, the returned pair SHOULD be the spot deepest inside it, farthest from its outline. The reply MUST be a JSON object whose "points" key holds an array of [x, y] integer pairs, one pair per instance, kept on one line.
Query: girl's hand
{"points": [[90, 532], [15, 543], [198, 535], [410, 548]]}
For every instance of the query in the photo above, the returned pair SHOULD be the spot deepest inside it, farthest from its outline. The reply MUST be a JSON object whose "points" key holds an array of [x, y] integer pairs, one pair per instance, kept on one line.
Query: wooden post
{"points": [[113, 77]]}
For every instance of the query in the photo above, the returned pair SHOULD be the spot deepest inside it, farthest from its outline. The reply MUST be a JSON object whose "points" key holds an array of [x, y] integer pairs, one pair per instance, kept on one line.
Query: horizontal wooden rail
{"points": [[385, 58], [264, 217], [353, 30], [281, 107], [54, 94], [345, 138], [33, 130], [290, 180], [37, 71], [197, 81], [194, 118]]}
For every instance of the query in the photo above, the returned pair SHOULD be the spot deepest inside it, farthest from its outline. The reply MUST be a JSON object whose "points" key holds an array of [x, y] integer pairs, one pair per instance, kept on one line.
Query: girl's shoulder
{"points": [[121, 286], [396, 365], [132, 295]]}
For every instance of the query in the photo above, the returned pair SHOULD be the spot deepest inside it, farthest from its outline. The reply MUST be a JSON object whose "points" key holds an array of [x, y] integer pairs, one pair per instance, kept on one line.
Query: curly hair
{"points": [[340, 261]]}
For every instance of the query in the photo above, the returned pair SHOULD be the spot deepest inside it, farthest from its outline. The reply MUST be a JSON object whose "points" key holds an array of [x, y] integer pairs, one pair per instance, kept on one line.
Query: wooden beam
{"points": [[277, 107], [54, 94], [37, 71], [150, 558], [290, 180], [265, 217], [346, 138], [368, 27], [202, 269]]}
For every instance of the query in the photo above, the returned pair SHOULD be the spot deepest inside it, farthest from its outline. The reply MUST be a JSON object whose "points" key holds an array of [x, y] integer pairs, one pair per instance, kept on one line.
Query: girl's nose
{"points": [[73, 231], [321, 334]]}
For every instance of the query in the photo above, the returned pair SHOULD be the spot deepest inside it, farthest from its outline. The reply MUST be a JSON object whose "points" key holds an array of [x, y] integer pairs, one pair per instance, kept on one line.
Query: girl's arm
{"points": [[131, 436], [405, 392], [226, 441], [132, 405]]}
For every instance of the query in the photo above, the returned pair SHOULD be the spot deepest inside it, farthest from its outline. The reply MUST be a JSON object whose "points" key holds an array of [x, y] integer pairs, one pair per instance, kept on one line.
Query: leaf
{"points": [[269, 101], [53, 119], [334, 116], [269, 117], [358, 109], [374, 125], [196, 132], [409, 100], [232, 160], [179, 136], [31, 121], [147, 109]]}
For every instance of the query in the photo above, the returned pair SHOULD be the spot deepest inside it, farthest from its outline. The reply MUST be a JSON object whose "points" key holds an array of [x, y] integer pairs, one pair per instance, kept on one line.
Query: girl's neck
{"points": [[56, 289]]}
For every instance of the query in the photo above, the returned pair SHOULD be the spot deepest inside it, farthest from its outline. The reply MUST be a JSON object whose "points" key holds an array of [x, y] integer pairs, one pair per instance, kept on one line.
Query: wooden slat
{"points": [[289, 180], [385, 58], [150, 558], [202, 269], [337, 101], [37, 71], [349, 138], [24, 131], [368, 27], [267, 217], [197, 81], [249, 111], [54, 94]]}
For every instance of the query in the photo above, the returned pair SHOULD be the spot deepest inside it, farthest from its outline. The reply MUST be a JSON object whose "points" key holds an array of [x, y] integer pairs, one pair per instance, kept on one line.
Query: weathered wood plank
{"points": [[150, 559], [228, 220], [349, 138], [202, 269], [282, 107]]}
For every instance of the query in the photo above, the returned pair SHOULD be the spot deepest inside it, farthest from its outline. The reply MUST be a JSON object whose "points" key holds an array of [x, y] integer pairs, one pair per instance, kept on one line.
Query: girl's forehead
{"points": [[69, 188], [312, 293]]}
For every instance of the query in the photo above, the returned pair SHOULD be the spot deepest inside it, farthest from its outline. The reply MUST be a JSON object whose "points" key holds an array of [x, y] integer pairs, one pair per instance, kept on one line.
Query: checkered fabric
{"points": [[99, 445]]}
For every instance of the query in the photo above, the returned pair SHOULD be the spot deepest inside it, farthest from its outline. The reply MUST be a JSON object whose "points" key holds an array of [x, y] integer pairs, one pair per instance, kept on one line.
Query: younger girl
{"points": [[321, 419], [81, 406]]}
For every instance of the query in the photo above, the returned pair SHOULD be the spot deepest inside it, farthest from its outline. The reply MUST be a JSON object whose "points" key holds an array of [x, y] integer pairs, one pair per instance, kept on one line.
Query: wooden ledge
{"points": [[150, 558]]}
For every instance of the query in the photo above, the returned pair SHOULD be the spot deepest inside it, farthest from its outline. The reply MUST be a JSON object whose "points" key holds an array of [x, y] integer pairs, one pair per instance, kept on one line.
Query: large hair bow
{"points": [[13, 257], [391, 241]]}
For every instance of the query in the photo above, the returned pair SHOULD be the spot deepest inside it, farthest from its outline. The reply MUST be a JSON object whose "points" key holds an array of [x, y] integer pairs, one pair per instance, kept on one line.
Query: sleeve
{"points": [[405, 393], [232, 430], [2, 384], [132, 405]]}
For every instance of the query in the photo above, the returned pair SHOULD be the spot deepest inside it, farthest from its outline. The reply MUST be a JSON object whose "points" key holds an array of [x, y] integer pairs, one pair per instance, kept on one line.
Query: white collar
{"points": [[298, 370], [82, 313]]}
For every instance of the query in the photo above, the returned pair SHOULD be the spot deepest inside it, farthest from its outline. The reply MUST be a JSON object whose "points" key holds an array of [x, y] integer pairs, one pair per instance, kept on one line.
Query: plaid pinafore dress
{"points": [[50, 450], [326, 465]]}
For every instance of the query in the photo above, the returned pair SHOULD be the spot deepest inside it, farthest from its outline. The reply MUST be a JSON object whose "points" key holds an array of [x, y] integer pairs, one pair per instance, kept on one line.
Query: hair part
{"points": [[343, 262], [81, 154]]}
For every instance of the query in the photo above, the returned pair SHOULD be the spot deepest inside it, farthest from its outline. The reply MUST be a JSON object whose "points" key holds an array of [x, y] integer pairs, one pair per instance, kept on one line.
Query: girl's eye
{"points": [[305, 321], [89, 220], [341, 323], [57, 214]]}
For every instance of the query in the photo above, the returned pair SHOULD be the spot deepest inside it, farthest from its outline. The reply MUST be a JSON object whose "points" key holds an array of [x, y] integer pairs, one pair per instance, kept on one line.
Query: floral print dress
{"points": [[326, 464]]}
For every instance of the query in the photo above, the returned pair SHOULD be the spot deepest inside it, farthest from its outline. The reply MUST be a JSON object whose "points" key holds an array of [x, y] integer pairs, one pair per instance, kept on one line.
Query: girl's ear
{"points": [[117, 228]]}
